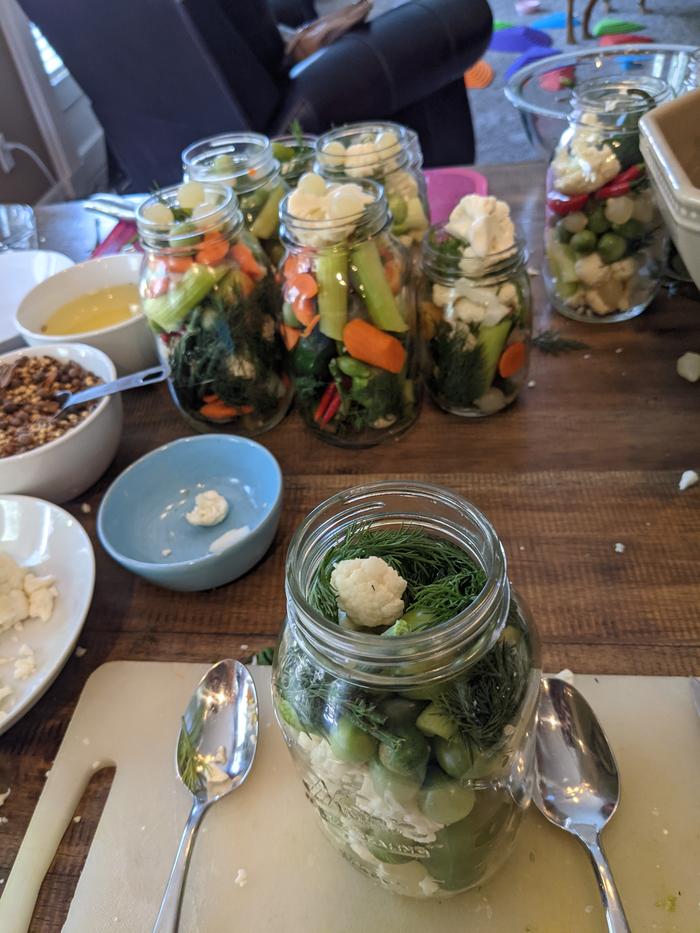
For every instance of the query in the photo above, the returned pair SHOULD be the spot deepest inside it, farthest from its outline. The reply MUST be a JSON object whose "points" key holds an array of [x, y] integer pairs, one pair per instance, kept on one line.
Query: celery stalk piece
{"points": [[169, 310], [374, 288], [332, 280], [265, 224]]}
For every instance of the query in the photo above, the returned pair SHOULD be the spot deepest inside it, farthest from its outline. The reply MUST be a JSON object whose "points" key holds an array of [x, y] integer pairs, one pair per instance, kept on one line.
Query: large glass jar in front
{"points": [[409, 711]]}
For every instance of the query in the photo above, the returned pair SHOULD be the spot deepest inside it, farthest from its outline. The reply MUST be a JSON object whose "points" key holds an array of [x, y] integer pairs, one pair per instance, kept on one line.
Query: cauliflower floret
{"points": [[597, 303], [591, 270], [623, 269], [241, 368], [585, 167], [443, 295], [484, 223], [467, 312], [361, 159], [508, 295], [369, 591], [402, 183]]}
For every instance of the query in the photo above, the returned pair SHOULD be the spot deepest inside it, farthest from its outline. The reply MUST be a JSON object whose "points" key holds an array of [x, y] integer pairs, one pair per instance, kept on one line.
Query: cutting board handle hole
{"points": [[67, 866]]}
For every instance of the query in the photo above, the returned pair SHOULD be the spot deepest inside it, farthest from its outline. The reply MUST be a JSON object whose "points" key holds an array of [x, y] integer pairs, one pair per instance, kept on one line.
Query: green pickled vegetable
{"points": [[368, 273], [407, 757], [443, 800], [432, 721], [332, 279], [611, 247], [491, 341], [168, 311], [584, 242], [598, 223], [265, 224], [402, 787], [349, 743]]}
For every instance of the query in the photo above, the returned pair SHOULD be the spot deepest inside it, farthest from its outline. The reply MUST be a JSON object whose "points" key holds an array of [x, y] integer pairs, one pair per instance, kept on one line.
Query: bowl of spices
{"points": [[98, 304], [44, 453]]}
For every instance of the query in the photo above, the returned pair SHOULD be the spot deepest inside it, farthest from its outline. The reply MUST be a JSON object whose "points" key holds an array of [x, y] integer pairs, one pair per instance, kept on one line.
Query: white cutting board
{"points": [[129, 715]]}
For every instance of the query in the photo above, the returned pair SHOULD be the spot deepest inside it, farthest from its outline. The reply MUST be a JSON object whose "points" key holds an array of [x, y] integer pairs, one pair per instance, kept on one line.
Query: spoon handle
{"points": [[132, 381], [169, 914], [614, 911]]}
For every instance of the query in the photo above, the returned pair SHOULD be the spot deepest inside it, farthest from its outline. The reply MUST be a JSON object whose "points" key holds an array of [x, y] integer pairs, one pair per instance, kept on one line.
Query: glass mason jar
{"points": [[388, 153], [475, 322], [604, 238], [342, 697], [246, 163], [296, 155], [350, 324], [210, 295]]}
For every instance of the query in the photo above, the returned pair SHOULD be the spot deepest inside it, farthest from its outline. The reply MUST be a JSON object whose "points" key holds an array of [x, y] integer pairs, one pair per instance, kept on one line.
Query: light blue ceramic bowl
{"points": [[142, 525]]}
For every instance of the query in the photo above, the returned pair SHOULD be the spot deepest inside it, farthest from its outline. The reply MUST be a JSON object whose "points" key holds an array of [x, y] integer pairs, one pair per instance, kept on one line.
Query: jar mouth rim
{"points": [[373, 648], [311, 225], [478, 265], [225, 208], [199, 155], [376, 158], [643, 93]]}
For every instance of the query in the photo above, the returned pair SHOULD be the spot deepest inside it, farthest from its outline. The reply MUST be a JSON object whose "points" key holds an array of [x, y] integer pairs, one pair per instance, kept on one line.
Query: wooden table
{"points": [[590, 456]]}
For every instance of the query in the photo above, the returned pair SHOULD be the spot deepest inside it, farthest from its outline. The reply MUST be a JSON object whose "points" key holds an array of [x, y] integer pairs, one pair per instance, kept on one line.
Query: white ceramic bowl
{"points": [[48, 542], [130, 345], [66, 467]]}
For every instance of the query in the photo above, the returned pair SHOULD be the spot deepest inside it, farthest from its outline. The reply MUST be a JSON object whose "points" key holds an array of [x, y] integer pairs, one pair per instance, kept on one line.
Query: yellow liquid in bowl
{"points": [[95, 311]]}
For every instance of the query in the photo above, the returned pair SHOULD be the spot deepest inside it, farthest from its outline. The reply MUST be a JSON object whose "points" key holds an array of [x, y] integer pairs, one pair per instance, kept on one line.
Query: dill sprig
{"points": [[552, 343], [188, 759], [441, 576], [489, 697]]}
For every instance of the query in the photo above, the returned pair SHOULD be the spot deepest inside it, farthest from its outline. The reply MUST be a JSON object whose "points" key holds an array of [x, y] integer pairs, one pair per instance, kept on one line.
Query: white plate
{"points": [[20, 271], [47, 540]]}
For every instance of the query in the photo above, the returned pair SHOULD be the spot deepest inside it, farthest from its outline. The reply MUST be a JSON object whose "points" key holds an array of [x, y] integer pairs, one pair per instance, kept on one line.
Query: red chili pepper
{"points": [[563, 204], [621, 183], [326, 400], [331, 410]]}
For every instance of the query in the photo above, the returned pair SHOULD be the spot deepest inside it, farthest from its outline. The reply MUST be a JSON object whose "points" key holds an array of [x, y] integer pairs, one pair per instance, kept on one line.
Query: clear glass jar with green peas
{"points": [[604, 238], [406, 682], [246, 163]]}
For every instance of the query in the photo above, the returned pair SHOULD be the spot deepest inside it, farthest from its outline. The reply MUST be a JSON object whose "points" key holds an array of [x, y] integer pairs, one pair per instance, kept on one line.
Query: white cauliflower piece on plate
{"points": [[369, 591]]}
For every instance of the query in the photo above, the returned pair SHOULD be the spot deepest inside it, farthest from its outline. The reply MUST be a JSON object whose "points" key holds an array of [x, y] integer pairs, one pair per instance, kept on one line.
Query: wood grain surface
{"points": [[590, 456]]}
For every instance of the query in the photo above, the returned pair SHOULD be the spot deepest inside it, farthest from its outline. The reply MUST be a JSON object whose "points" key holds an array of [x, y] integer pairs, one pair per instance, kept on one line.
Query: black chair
{"points": [[163, 73]]}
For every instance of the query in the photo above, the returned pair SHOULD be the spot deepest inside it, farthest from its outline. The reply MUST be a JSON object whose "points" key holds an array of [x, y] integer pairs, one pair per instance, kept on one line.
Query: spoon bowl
{"points": [[215, 752], [578, 786]]}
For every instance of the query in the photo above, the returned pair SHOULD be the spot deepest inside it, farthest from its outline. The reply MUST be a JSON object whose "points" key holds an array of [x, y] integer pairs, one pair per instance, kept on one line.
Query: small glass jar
{"points": [[350, 324], [476, 323], [296, 155], [482, 666], [692, 73], [246, 163], [604, 239], [210, 296], [390, 154]]}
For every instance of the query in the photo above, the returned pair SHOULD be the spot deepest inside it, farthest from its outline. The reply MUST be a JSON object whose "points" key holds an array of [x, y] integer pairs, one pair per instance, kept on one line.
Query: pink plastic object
{"points": [[447, 186]]}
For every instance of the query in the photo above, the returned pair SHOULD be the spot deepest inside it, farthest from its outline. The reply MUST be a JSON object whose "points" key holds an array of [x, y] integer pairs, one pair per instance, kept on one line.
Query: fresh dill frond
{"points": [[442, 578], [296, 131], [485, 701], [552, 343], [188, 760]]}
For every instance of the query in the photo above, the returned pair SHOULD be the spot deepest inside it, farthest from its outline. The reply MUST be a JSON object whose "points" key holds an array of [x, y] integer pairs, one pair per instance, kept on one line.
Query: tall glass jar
{"points": [[476, 323], [388, 153], [246, 163], [296, 154], [350, 324], [210, 295], [604, 239], [416, 750]]}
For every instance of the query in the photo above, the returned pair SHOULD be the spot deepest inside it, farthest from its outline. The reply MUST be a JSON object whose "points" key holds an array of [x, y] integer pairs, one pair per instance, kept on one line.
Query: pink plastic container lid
{"points": [[447, 186]]}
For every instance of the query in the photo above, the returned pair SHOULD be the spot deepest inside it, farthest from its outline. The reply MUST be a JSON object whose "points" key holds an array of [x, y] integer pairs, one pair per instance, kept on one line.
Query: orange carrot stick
{"points": [[512, 359], [243, 255], [291, 336], [367, 343]]}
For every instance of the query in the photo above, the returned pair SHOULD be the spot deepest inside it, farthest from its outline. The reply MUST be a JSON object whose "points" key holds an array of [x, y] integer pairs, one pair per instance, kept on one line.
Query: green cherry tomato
{"points": [[631, 230], [453, 755], [401, 787], [444, 800], [349, 743], [611, 247], [563, 235], [584, 242], [598, 223], [407, 756], [400, 711]]}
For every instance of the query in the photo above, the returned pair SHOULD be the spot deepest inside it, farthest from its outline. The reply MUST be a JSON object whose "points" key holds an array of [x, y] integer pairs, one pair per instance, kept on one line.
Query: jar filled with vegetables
{"points": [[604, 239], [245, 162], [390, 154], [406, 682], [210, 295], [348, 312], [296, 155], [475, 309]]}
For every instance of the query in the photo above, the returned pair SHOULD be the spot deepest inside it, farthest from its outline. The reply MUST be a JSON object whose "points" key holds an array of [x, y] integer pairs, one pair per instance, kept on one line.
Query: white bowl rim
{"points": [[209, 556], [86, 334], [100, 407]]}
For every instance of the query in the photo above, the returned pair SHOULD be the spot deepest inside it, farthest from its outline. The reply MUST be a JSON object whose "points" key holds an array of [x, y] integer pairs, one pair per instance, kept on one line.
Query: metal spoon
{"points": [[144, 377], [215, 752], [577, 786]]}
